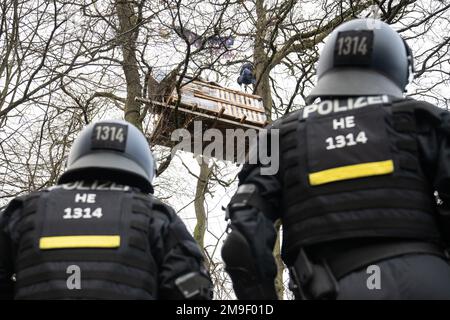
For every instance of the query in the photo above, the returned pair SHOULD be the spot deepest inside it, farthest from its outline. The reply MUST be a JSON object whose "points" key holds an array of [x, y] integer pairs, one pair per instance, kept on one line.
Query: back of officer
{"points": [[100, 234], [359, 167]]}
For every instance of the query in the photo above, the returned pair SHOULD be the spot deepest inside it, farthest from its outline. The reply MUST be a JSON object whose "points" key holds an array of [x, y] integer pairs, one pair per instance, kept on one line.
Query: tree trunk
{"points": [[279, 286], [263, 89], [200, 213], [260, 59], [128, 32]]}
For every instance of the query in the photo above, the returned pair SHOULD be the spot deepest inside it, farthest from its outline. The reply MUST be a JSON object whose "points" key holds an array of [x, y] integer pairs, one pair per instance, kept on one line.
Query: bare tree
{"points": [[64, 64]]}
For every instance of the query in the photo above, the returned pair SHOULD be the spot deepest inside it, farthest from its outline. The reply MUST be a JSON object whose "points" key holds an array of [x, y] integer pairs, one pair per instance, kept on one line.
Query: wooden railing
{"points": [[241, 106]]}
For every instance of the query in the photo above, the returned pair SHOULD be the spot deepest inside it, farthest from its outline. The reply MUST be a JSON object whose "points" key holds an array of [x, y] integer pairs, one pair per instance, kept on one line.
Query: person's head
{"points": [[363, 57], [111, 150]]}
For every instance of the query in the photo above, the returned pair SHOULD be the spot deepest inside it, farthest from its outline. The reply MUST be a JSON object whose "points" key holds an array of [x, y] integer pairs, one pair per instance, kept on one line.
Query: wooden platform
{"points": [[215, 106], [222, 102]]}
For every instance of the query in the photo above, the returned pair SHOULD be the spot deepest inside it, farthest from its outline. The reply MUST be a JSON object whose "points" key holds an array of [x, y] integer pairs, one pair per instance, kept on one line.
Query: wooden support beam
{"points": [[222, 110]]}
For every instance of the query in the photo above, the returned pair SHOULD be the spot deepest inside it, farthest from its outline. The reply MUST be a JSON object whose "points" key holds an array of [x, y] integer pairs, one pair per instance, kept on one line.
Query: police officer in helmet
{"points": [[360, 168], [100, 233]]}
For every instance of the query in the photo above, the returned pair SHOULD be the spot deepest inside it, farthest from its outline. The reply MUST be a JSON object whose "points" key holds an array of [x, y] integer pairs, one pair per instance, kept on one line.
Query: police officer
{"points": [[100, 233], [360, 168]]}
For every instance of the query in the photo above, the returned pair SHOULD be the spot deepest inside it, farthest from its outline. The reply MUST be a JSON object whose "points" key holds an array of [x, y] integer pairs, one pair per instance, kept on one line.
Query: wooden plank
{"points": [[218, 119], [225, 101], [200, 95], [239, 117], [224, 88]]}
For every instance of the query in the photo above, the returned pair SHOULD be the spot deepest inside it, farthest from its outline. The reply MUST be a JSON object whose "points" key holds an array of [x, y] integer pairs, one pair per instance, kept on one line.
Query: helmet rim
{"points": [[104, 165], [358, 82]]}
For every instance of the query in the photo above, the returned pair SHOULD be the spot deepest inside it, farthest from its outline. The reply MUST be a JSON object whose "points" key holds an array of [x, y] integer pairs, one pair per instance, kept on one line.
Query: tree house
{"points": [[215, 106]]}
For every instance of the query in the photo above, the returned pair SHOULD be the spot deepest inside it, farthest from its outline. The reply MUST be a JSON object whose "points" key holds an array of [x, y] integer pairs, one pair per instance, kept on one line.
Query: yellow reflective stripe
{"points": [[351, 172], [79, 242]]}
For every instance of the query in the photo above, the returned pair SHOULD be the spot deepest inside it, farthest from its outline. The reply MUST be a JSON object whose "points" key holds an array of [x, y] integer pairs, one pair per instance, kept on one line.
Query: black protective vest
{"points": [[101, 234], [352, 170]]}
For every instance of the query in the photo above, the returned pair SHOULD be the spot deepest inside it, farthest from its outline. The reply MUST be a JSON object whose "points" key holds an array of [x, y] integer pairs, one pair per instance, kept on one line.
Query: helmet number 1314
{"points": [[109, 133], [352, 46]]}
